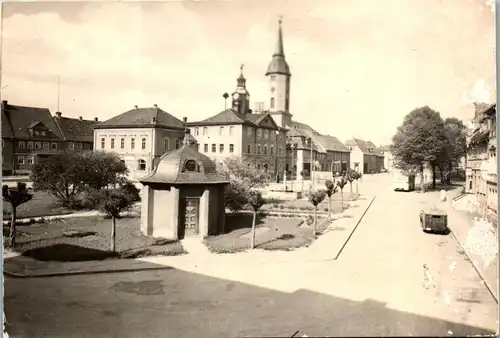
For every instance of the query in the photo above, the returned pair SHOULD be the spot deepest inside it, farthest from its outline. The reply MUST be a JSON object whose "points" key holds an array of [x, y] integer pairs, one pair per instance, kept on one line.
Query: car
{"points": [[434, 220]]}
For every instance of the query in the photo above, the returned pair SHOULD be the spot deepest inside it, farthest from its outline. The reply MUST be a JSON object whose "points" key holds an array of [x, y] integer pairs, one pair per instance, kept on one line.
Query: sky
{"points": [[358, 66]]}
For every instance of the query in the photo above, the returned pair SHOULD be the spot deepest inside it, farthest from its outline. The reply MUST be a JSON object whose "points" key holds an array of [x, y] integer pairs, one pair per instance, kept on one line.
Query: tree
{"points": [[341, 184], [456, 146], [303, 173], [255, 201], [419, 140], [68, 174], [330, 190], [15, 197], [350, 177], [243, 177], [113, 202], [104, 170], [316, 197]]}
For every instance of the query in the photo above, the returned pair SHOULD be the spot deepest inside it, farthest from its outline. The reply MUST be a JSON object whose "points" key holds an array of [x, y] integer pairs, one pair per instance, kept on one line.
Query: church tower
{"points": [[241, 97], [278, 74]]}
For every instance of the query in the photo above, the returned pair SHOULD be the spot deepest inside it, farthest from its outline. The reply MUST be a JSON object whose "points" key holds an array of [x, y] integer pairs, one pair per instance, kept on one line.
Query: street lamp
{"points": [[312, 165], [292, 147]]}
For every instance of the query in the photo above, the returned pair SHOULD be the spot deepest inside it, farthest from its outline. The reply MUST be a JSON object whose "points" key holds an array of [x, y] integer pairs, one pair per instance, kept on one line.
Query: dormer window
{"points": [[192, 166]]}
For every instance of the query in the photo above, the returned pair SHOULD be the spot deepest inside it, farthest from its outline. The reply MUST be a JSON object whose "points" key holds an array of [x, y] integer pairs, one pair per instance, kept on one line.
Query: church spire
{"points": [[241, 81], [278, 64], [279, 50]]}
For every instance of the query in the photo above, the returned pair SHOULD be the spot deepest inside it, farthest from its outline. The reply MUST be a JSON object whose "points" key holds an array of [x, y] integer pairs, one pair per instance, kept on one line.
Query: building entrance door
{"points": [[191, 213]]}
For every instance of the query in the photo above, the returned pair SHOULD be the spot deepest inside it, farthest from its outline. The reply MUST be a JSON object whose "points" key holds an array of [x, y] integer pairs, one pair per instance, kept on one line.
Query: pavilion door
{"points": [[191, 215]]}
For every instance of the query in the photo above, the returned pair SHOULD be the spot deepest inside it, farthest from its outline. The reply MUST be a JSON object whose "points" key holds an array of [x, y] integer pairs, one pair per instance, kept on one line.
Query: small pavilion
{"points": [[184, 195]]}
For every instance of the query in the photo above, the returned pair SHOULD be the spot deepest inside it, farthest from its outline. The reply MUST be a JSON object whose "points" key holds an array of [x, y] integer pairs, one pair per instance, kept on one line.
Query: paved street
{"points": [[376, 287]]}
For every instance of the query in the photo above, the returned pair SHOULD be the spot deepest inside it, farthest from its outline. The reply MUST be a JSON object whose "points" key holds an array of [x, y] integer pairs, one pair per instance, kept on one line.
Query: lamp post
{"points": [[292, 147], [311, 167]]}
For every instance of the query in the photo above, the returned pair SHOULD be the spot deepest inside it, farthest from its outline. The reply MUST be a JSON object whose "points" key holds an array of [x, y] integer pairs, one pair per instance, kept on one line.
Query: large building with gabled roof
{"points": [[30, 134], [238, 131], [140, 136], [366, 157]]}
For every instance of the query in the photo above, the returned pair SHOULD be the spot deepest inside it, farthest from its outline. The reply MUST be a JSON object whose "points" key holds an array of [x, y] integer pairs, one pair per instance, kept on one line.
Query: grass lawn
{"points": [[51, 241], [42, 204], [305, 205], [271, 234]]}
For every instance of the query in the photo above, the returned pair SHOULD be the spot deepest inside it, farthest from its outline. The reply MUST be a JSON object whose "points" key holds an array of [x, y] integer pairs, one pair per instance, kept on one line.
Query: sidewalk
{"points": [[461, 223], [326, 247]]}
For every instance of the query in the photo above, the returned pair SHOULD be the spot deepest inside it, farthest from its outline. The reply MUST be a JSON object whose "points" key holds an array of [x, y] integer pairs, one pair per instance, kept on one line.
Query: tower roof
{"points": [[278, 64]]}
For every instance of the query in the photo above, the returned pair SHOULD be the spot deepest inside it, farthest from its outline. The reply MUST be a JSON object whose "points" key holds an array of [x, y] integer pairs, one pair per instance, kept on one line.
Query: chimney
{"points": [[4, 104], [136, 107], [80, 118], [155, 105], [154, 120], [58, 114], [184, 119], [96, 119]]}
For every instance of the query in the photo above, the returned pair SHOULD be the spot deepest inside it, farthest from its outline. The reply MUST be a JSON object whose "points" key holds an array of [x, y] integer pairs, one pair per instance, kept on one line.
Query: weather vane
{"points": [[241, 68], [280, 19]]}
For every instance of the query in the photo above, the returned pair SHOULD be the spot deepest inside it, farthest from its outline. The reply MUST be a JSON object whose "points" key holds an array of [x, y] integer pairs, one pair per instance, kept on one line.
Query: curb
{"points": [[82, 272], [354, 229], [488, 287]]}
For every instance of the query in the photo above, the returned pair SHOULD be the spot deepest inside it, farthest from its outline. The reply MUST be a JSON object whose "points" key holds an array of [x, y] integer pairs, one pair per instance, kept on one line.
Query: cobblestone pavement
{"points": [[391, 279]]}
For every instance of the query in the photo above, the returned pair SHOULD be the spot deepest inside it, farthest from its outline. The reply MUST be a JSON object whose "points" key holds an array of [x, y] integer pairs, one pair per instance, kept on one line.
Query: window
{"points": [[112, 143], [79, 146], [272, 136], [141, 165], [197, 131], [54, 146], [46, 145], [30, 160], [258, 149], [103, 143], [249, 149], [177, 144], [265, 149], [166, 143], [272, 150], [191, 166], [205, 131], [259, 132], [280, 150], [20, 160], [231, 130], [272, 102], [266, 134], [221, 148], [132, 143], [249, 131], [86, 146], [214, 148], [221, 131], [30, 144], [143, 141], [197, 147], [258, 166], [21, 144], [205, 148], [122, 143], [231, 148]]}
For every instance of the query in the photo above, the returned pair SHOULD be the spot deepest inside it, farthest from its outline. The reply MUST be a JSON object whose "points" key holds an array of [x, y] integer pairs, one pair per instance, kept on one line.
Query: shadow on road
{"points": [[164, 303]]}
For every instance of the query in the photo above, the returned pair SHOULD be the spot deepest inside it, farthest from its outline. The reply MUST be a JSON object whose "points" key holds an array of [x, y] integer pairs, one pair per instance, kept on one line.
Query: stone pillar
{"points": [[146, 207], [204, 216], [300, 162]]}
